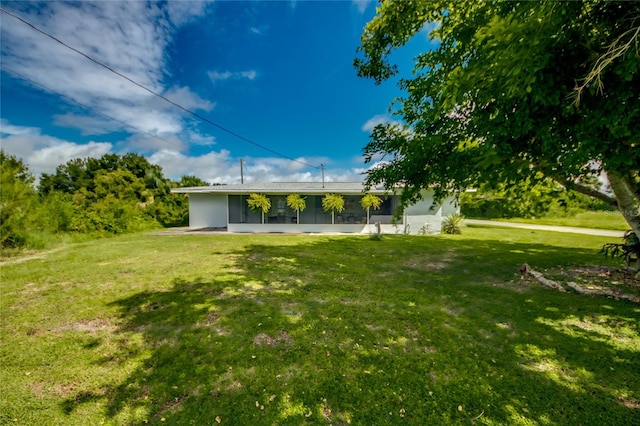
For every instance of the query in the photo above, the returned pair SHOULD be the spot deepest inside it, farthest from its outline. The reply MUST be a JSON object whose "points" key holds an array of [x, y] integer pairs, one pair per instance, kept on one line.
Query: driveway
{"points": [[569, 229]]}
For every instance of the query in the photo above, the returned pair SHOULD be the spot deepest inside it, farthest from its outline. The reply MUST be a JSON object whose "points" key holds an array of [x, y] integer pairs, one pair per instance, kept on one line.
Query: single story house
{"points": [[225, 206]]}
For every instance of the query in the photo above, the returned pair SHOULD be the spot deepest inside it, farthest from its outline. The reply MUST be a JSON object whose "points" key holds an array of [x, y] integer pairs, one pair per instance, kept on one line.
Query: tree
{"points": [[368, 201], [510, 92], [259, 203], [18, 201], [333, 203], [297, 203], [191, 180]]}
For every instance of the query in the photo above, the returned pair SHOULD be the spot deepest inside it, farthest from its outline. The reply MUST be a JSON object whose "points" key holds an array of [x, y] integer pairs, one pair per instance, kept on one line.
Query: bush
{"points": [[452, 224]]}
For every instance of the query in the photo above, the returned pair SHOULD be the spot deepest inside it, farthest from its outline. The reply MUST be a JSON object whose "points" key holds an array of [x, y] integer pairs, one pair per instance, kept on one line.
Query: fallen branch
{"points": [[526, 269], [609, 293]]}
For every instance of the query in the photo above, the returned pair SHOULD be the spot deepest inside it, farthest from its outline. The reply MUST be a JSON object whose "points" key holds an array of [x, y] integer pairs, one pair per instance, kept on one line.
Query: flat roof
{"points": [[282, 188]]}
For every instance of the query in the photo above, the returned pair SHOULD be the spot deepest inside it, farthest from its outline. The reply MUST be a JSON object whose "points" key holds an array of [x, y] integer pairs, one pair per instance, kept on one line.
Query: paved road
{"points": [[569, 229]]}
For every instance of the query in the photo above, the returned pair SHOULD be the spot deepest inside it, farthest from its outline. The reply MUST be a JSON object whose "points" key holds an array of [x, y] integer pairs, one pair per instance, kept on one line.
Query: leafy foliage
{"points": [[333, 203], [493, 102], [369, 200], [627, 250], [18, 201], [524, 200], [259, 203], [109, 195], [452, 224], [190, 180], [296, 202]]}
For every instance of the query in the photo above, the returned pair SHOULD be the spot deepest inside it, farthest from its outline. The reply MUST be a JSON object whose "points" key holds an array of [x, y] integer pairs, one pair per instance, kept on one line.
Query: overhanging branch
{"points": [[586, 190]]}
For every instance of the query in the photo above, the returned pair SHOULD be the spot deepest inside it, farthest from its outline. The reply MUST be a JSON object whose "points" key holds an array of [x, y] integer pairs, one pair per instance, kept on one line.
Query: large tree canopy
{"points": [[513, 90]]}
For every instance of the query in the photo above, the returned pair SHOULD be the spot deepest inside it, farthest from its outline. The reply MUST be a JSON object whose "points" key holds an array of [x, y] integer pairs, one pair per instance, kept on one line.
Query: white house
{"points": [[225, 206]]}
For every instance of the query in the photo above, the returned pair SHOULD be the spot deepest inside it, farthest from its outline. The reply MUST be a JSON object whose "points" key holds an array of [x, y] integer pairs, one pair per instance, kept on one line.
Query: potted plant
{"points": [[368, 201], [259, 203], [297, 203], [333, 203]]}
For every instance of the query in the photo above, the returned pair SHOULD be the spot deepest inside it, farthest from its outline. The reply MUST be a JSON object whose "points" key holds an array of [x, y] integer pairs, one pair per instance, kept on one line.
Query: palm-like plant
{"points": [[452, 224], [368, 201], [297, 203], [259, 203], [333, 203]]}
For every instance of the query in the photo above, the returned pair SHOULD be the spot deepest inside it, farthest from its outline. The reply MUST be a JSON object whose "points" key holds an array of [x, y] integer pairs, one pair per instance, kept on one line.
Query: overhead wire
{"points": [[42, 86], [188, 111]]}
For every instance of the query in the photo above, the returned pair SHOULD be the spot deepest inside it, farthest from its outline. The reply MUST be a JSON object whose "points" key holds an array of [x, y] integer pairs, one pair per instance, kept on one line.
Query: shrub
{"points": [[452, 224], [627, 250]]}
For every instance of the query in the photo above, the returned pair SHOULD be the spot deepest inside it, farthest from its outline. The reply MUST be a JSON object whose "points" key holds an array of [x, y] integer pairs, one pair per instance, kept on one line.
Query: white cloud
{"points": [[130, 37], [228, 75], [220, 167], [361, 5], [251, 74], [377, 119], [7, 128], [88, 125], [427, 28], [186, 98], [49, 157], [44, 153], [198, 139], [141, 142]]}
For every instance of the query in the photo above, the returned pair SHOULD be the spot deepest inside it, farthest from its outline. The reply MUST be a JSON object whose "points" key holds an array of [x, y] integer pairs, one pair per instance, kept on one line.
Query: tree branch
{"points": [[586, 190], [614, 51]]}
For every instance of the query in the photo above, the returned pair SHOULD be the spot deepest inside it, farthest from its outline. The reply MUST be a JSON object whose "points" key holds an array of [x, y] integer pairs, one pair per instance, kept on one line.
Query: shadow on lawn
{"points": [[349, 330]]}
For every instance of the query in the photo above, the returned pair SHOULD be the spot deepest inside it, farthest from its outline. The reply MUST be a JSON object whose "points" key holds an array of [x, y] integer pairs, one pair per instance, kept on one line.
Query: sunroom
{"points": [[227, 207]]}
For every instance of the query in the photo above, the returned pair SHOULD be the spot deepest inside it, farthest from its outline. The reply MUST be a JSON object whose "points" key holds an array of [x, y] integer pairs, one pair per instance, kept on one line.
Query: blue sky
{"points": [[278, 73]]}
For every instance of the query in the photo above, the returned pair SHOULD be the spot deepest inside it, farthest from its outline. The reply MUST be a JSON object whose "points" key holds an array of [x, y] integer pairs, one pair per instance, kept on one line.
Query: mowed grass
{"points": [[300, 329], [586, 219]]}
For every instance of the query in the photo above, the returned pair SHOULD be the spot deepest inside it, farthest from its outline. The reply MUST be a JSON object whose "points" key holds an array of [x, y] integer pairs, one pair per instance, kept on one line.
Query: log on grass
{"points": [[526, 269], [608, 293]]}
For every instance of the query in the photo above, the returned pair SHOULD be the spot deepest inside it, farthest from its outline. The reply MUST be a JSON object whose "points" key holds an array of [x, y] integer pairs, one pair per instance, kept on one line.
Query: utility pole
{"points": [[322, 167], [241, 172]]}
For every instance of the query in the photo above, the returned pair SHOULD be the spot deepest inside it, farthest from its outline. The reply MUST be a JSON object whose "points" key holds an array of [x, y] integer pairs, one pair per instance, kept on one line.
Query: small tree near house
{"points": [[333, 203], [259, 203], [297, 203], [368, 201]]}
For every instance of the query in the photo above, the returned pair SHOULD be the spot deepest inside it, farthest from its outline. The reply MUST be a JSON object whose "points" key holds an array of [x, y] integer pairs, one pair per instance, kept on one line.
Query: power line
{"points": [[188, 111], [22, 76]]}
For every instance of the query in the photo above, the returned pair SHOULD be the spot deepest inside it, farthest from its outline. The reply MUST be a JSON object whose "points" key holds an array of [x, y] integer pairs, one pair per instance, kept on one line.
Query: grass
{"points": [[586, 219], [276, 329]]}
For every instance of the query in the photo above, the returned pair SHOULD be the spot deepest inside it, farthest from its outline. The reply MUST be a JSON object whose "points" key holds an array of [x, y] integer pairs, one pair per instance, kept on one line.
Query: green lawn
{"points": [[587, 219], [277, 329]]}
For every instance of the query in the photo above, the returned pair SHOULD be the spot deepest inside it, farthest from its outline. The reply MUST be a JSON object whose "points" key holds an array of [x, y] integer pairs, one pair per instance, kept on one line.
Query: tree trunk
{"points": [[626, 201]]}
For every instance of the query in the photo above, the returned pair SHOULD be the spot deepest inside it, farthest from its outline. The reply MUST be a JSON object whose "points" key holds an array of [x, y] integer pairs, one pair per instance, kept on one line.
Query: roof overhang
{"points": [[309, 188]]}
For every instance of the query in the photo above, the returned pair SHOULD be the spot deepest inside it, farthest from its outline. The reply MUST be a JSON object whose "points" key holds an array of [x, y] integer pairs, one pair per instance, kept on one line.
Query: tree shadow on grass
{"points": [[349, 330]]}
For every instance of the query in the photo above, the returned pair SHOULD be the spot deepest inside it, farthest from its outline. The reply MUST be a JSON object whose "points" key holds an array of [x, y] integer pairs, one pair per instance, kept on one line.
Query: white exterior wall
{"points": [[211, 211], [450, 205], [207, 210]]}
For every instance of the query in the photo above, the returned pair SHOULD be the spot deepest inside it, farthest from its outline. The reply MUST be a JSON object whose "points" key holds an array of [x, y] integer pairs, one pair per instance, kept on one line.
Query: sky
{"points": [[279, 74]]}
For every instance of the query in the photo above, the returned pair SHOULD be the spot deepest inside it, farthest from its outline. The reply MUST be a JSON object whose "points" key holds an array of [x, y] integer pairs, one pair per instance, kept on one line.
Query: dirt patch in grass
{"points": [[265, 339], [425, 265], [97, 324], [212, 318], [629, 402]]}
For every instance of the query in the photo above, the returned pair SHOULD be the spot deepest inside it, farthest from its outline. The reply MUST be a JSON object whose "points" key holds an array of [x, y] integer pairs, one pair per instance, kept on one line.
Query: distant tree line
{"points": [[113, 194]]}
